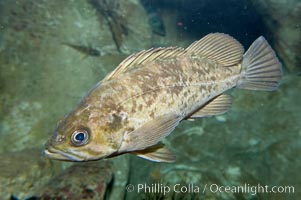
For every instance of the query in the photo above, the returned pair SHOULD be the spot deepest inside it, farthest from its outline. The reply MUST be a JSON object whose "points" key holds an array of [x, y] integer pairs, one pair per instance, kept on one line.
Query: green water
{"points": [[255, 146]]}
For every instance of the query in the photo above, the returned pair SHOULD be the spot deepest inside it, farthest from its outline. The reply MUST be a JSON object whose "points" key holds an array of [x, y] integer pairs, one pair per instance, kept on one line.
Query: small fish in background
{"points": [[117, 23], [142, 101], [89, 51]]}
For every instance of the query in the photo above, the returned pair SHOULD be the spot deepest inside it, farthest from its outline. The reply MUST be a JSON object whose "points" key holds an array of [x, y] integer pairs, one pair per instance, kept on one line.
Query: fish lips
{"points": [[56, 154]]}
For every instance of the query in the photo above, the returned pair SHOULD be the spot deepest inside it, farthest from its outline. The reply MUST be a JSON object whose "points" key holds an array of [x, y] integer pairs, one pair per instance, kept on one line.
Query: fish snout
{"points": [[56, 154]]}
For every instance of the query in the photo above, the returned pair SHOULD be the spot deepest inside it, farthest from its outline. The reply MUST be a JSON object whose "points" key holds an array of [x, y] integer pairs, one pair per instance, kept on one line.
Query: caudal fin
{"points": [[261, 69]]}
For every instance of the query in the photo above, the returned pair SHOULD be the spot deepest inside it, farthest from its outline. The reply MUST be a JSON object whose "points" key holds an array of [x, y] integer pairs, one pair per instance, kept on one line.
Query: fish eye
{"points": [[80, 137]]}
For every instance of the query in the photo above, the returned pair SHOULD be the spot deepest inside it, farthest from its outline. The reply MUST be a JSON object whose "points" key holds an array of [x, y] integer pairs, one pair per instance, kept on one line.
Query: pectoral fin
{"points": [[157, 153], [150, 133], [217, 106]]}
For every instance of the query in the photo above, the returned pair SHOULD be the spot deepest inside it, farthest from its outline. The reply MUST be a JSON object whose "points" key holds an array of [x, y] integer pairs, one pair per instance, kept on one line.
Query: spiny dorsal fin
{"points": [[218, 47], [142, 57]]}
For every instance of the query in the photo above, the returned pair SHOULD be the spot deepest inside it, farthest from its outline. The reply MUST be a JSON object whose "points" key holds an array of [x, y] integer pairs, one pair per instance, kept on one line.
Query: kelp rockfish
{"points": [[142, 101]]}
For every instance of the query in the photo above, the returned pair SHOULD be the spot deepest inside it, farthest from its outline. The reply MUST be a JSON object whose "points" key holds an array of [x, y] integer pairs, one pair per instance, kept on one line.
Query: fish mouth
{"points": [[60, 155]]}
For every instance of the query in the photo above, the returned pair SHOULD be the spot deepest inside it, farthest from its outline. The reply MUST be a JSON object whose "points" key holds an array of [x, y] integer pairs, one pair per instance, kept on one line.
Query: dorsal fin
{"points": [[218, 47], [142, 57]]}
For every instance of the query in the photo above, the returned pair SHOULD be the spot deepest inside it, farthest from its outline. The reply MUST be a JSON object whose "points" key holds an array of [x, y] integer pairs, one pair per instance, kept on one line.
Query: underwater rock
{"points": [[29, 175], [41, 78], [1, 42], [154, 18], [80, 181], [282, 17], [116, 22], [22, 172], [18, 123], [121, 169]]}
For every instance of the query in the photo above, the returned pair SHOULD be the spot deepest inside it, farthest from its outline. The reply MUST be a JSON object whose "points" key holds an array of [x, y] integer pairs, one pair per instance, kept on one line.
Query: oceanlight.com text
{"points": [[251, 189], [212, 188]]}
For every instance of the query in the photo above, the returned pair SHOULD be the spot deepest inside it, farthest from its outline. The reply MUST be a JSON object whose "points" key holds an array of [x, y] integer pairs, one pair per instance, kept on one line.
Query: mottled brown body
{"points": [[142, 101], [180, 85]]}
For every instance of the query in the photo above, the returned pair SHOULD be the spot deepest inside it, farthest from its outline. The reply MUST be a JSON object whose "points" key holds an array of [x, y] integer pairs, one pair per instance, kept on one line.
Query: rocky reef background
{"points": [[53, 52]]}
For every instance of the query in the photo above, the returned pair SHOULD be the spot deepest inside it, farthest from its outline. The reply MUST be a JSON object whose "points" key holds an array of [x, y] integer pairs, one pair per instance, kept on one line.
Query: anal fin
{"points": [[217, 106], [157, 153]]}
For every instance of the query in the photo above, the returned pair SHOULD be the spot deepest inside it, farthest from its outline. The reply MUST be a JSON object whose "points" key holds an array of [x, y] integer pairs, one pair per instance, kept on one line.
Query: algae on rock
{"points": [[23, 172], [42, 79], [283, 17]]}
